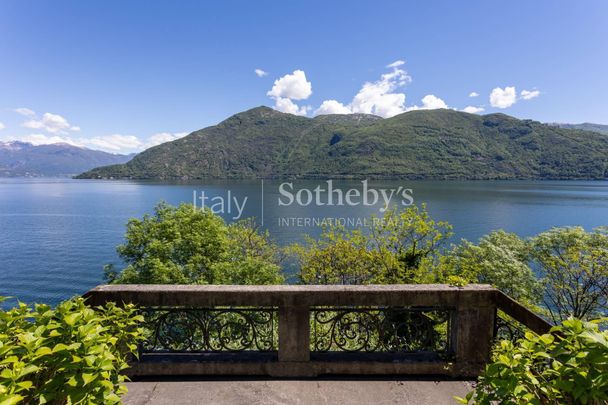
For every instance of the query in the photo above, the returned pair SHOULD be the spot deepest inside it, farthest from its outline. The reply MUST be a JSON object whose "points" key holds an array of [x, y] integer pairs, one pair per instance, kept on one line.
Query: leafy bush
{"points": [[71, 354], [569, 365]]}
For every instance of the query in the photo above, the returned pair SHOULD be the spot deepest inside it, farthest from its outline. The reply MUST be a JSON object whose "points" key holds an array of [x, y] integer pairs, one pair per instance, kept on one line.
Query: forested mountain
{"points": [[423, 144]]}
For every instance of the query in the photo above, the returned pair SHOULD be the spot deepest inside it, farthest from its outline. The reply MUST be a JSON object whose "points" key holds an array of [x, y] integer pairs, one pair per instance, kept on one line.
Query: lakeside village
{"points": [[323, 194]]}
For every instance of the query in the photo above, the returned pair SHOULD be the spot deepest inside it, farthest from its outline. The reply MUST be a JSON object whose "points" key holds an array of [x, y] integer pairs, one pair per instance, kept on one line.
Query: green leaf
{"points": [[13, 399], [87, 378]]}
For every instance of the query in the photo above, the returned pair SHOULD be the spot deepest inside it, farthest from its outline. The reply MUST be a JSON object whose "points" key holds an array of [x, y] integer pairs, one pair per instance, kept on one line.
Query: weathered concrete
{"points": [[472, 311], [296, 392]]}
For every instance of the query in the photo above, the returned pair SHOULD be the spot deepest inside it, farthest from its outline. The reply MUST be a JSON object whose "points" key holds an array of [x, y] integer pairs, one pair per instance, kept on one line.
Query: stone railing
{"points": [[314, 330]]}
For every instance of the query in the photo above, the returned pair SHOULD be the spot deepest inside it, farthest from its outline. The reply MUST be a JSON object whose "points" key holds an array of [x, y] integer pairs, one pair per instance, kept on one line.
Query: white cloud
{"points": [[24, 111], [162, 137], [41, 139], [260, 72], [292, 86], [429, 102], [287, 106], [529, 94], [396, 64], [332, 107], [114, 143], [503, 98], [53, 123], [432, 102], [288, 88], [473, 94], [2, 126], [379, 97], [472, 109]]}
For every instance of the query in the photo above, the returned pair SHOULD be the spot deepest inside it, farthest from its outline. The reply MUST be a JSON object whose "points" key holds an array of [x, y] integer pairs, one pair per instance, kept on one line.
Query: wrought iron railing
{"points": [[380, 329], [506, 328], [210, 330], [310, 330]]}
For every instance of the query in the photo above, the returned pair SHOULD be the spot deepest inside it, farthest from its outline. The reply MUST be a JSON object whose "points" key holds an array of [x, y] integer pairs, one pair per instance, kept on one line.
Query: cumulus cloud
{"points": [[379, 97], [260, 73], [429, 102], [292, 86], [288, 88], [287, 106], [503, 98], [472, 109], [529, 94], [52, 123], [432, 102], [473, 94], [332, 107], [2, 126], [26, 112]]}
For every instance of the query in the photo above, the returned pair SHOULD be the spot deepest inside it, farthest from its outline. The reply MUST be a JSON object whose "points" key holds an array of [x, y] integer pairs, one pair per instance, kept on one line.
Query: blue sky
{"points": [[123, 75]]}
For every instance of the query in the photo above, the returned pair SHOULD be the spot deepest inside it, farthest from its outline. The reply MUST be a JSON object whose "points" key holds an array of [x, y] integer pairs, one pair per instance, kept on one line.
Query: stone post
{"points": [[294, 332], [474, 335]]}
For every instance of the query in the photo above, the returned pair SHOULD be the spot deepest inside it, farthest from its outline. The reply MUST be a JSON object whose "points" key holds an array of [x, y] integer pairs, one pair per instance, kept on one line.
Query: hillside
{"points": [[586, 126], [60, 159], [432, 144]]}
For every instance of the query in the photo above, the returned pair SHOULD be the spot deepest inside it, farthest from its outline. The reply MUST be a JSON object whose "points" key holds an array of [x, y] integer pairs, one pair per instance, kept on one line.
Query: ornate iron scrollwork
{"points": [[507, 330], [210, 330], [380, 329]]}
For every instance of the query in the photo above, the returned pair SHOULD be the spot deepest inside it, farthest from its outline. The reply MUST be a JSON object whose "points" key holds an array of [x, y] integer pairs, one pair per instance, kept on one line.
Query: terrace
{"points": [[222, 331]]}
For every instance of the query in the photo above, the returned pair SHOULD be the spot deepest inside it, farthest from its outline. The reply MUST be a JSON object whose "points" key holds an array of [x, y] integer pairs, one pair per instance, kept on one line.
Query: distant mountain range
{"points": [[18, 159], [586, 126], [424, 144]]}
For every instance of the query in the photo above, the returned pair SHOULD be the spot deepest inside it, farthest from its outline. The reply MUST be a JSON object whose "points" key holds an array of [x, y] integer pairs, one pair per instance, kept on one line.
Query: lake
{"points": [[56, 234]]}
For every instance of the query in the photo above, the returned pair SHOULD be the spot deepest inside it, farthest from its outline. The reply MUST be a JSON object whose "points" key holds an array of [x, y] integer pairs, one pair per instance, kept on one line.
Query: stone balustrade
{"points": [[305, 331]]}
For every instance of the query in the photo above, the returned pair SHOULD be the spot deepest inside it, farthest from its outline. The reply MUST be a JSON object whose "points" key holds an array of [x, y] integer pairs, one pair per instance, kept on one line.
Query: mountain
{"points": [[586, 126], [59, 159], [423, 144]]}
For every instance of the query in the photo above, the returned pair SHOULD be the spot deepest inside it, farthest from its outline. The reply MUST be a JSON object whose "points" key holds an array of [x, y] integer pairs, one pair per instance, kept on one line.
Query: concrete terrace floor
{"points": [[335, 391]]}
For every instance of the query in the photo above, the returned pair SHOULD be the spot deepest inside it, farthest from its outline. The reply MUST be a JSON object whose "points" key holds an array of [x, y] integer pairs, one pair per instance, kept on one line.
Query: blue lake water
{"points": [[56, 234]]}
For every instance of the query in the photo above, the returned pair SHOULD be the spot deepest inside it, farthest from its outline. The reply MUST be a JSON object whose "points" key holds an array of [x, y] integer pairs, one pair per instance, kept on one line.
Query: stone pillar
{"points": [[474, 336], [294, 333]]}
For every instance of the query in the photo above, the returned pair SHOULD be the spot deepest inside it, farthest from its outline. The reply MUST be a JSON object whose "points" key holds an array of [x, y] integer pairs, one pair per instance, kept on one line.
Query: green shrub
{"points": [[71, 354], [569, 365]]}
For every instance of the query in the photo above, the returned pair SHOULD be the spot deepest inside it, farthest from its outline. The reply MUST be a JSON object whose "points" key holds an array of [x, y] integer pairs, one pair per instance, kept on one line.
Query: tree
{"points": [[250, 257], [573, 265], [342, 256], [400, 247], [500, 259], [186, 245]]}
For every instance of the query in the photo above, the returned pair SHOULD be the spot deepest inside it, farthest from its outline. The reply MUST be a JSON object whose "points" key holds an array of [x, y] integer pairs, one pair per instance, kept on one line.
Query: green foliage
{"points": [[569, 365], [573, 265], [71, 354], [435, 144], [186, 245], [500, 259], [399, 248]]}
